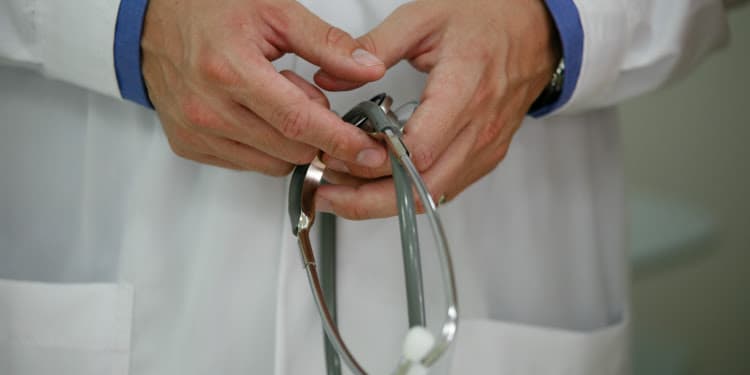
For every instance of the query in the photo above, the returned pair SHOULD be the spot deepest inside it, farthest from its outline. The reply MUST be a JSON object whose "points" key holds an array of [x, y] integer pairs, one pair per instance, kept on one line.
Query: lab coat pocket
{"points": [[81, 329], [494, 347]]}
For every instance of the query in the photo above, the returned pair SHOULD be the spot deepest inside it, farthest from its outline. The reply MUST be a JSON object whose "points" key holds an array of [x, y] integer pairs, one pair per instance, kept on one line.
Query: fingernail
{"points": [[362, 57], [337, 165], [371, 157], [324, 205]]}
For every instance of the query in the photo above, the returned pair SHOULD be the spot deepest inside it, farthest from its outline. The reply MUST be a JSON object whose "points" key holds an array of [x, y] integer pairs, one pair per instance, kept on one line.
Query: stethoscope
{"points": [[421, 349]]}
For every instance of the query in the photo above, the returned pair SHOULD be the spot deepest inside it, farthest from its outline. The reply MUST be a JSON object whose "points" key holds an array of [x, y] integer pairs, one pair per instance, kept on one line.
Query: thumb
{"points": [[398, 37], [329, 47]]}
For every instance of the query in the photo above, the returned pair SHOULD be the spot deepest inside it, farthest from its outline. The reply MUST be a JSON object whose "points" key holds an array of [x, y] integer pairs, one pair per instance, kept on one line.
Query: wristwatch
{"points": [[553, 89]]}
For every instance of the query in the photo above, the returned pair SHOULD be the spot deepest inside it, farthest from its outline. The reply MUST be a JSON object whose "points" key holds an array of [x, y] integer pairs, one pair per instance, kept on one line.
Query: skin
{"points": [[221, 102], [207, 68], [487, 61]]}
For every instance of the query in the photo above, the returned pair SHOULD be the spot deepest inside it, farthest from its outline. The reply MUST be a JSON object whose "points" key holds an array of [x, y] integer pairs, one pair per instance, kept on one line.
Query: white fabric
{"points": [[637, 45], [92, 197], [65, 328], [67, 42]]}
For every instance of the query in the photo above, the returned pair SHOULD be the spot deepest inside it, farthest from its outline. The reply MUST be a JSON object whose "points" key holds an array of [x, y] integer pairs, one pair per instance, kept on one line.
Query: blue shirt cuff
{"points": [[568, 22], [127, 51]]}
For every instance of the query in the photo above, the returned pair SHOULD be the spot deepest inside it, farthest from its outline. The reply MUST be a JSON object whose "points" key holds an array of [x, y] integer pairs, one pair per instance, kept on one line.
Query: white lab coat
{"points": [[117, 257]]}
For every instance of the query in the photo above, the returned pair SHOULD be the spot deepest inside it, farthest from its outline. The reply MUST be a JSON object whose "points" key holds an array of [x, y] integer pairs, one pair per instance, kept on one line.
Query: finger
{"points": [[444, 111], [228, 154], [289, 110], [258, 134], [448, 177], [324, 45], [214, 115], [355, 170], [372, 200], [311, 91], [338, 178], [442, 115], [181, 146], [246, 157], [401, 35], [406, 28], [331, 83], [207, 159]]}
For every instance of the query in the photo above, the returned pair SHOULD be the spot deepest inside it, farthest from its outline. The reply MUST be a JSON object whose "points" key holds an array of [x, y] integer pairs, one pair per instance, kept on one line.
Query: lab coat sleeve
{"points": [[127, 51], [70, 41], [633, 46]]}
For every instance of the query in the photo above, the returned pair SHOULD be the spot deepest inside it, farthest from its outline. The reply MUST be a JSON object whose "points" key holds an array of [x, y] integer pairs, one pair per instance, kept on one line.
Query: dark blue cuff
{"points": [[127, 51], [568, 22]]}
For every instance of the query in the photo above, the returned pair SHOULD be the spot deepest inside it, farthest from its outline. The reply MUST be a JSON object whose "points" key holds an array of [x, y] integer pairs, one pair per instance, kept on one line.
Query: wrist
{"points": [[567, 43]]}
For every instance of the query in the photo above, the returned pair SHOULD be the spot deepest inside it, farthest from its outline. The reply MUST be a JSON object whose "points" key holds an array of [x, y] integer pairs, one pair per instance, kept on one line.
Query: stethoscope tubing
{"points": [[376, 118]]}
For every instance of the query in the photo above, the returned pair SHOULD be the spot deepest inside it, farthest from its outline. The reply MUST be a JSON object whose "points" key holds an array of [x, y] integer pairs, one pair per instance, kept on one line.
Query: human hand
{"points": [[488, 60], [207, 67]]}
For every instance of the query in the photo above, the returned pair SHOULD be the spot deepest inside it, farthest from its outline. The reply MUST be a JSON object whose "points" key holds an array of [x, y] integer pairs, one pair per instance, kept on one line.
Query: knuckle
{"points": [[422, 63], [213, 67], [489, 135], [182, 136], [358, 212], [337, 145], [485, 93], [196, 113], [368, 43], [291, 121], [335, 36], [423, 157], [178, 150], [276, 16], [501, 152], [304, 157], [186, 139]]}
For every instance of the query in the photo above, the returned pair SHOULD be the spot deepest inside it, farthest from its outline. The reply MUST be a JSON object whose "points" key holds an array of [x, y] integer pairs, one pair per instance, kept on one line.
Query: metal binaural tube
{"points": [[328, 322], [374, 116]]}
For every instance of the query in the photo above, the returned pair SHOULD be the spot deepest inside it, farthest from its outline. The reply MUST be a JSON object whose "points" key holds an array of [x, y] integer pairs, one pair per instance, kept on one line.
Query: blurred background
{"points": [[688, 172]]}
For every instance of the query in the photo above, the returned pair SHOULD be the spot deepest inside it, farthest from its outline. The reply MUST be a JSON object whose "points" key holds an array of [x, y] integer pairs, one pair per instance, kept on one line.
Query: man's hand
{"points": [[488, 60], [208, 72]]}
